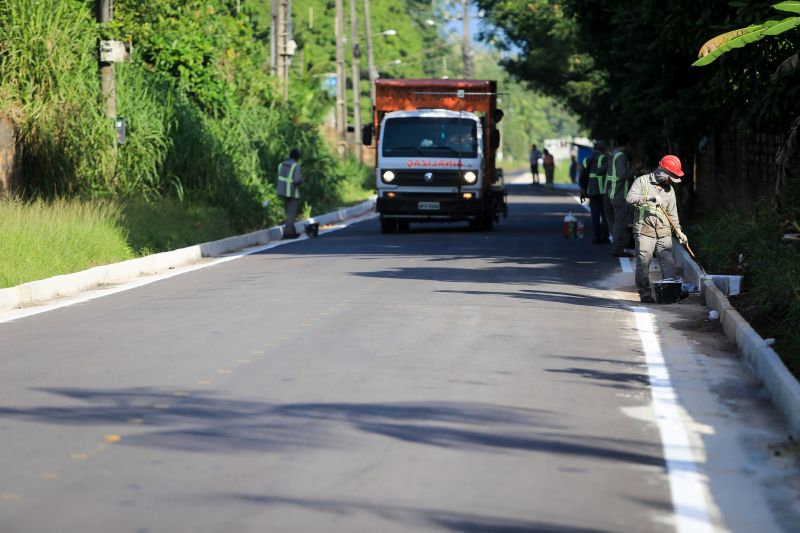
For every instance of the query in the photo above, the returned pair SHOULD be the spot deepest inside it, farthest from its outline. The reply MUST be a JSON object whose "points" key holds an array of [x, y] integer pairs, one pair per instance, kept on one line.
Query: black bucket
{"points": [[668, 291]]}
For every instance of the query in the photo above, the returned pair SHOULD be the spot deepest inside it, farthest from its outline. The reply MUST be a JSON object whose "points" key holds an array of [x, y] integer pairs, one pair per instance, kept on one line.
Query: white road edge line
{"points": [[10, 316], [685, 481]]}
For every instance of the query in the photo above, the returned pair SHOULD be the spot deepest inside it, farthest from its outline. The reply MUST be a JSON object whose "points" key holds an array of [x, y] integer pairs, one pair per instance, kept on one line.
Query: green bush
{"points": [[771, 269]]}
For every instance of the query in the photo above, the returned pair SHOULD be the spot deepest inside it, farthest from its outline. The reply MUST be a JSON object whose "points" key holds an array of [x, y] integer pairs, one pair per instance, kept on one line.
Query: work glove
{"points": [[656, 199], [682, 238]]}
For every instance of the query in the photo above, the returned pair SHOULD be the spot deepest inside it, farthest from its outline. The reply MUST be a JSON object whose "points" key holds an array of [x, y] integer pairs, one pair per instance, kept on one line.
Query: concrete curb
{"points": [[783, 387], [37, 292]]}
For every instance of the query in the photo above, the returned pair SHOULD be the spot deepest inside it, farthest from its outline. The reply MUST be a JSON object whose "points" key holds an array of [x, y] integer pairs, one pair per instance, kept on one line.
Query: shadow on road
{"points": [[204, 423], [412, 517]]}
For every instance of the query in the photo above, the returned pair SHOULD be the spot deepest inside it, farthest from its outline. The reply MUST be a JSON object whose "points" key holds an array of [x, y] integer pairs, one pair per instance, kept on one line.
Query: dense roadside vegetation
{"points": [[205, 124], [626, 67]]}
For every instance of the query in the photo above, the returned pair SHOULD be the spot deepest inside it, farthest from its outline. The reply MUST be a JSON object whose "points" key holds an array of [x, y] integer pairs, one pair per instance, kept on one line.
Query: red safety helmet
{"points": [[672, 164]]}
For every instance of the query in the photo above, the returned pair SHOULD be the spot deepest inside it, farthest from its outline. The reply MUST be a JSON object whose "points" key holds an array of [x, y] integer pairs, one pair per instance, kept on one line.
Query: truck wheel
{"points": [[388, 225], [487, 222], [475, 224], [403, 226]]}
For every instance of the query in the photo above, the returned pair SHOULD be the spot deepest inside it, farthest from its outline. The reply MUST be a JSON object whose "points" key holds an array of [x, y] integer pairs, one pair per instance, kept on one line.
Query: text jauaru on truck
{"points": [[435, 143]]}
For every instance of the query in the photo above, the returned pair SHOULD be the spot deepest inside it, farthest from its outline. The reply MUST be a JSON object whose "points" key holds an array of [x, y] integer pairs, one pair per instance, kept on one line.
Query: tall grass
{"points": [[40, 239], [49, 82]]}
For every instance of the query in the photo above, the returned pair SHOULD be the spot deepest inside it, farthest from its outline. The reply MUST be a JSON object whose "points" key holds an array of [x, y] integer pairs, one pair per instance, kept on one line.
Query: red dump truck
{"points": [[435, 143]]}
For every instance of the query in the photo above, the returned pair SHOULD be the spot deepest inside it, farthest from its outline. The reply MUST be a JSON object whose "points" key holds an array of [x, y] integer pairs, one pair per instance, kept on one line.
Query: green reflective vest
{"points": [[601, 185], [612, 178], [286, 182], [646, 208]]}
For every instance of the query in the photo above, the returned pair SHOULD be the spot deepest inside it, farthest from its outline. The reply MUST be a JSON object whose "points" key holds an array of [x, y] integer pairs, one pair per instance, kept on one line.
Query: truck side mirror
{"points": [[367, 132], [495, 139]]}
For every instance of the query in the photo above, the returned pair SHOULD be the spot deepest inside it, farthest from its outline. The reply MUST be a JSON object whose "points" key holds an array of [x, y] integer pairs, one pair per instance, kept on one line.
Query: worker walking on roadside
{"points": [[653, 198], [592, 183], [290, 178], [535, 155], [618, 180]]}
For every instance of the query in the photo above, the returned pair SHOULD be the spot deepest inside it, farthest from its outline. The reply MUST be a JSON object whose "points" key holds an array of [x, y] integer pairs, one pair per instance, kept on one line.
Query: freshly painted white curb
{"points": [[783, 387], [37, 292]]}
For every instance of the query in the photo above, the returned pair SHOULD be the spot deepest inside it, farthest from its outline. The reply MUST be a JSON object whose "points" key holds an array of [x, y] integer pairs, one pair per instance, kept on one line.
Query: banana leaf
{"points": [[726, 42], [792, 7]]}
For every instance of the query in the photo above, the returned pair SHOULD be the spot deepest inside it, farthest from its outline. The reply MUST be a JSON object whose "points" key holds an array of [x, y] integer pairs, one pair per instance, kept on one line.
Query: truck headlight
{"points": [[388, 176], [470, 177]]}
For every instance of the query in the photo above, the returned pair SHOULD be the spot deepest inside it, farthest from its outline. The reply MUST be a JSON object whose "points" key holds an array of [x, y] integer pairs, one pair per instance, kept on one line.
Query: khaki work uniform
{"points": [[289, 180], [652, 231], [618, 212]]}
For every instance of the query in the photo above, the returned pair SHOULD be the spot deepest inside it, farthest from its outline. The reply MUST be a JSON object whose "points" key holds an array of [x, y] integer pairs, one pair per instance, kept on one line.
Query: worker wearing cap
{"points": [[592, 183], [652, 197], [290, 178]]}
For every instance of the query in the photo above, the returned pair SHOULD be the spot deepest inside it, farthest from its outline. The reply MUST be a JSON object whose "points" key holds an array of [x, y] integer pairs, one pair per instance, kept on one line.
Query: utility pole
{"points": [[466, 46], [341, 80], [284, 18], [108, 86], [356, 81], [273, 39], [373, 73]]}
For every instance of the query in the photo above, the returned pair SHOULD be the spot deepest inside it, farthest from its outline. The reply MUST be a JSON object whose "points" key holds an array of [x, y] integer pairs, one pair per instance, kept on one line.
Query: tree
{"points": [[625, 66], [728, 41]]}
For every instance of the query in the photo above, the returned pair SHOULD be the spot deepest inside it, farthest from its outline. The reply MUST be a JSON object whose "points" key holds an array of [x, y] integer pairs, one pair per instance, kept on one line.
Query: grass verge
{"points": [[43, 239], [750, 244]]}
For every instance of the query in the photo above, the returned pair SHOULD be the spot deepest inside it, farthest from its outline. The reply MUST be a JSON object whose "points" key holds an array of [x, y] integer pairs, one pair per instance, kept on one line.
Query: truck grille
{"points": [[416, 178]]}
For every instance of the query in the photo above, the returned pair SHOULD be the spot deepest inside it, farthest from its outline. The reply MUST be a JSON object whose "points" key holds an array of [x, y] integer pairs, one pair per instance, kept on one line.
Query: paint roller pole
{"points": [[677, 231]]}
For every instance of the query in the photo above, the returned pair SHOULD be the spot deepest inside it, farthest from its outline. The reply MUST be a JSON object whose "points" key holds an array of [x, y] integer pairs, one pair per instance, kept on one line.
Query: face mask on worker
{"points": [[662, 178]]}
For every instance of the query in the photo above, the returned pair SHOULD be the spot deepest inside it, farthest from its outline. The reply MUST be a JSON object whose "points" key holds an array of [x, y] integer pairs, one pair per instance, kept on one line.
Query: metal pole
{"points": [[356, 81], [108, 86], [341, 80], [466, 46], [373, 73]]}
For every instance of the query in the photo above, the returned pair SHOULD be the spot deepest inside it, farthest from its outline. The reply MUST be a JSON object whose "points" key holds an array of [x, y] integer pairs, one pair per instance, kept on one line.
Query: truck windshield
{"points": [[430, 136]]}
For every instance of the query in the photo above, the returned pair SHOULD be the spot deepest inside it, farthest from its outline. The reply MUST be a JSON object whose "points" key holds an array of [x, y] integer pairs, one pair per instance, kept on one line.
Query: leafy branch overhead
{"points": [[728, 41]]}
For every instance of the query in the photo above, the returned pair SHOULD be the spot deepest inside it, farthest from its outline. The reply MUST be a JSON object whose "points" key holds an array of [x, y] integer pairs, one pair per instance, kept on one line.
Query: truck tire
{"points": [[403, 226], [487, 222], [388, 225]]}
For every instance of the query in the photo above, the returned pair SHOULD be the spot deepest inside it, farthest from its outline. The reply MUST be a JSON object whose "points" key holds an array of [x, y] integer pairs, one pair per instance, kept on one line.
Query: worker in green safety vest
{"points": [[592, 183], [290, 178], [618, 181], [652, 197]]}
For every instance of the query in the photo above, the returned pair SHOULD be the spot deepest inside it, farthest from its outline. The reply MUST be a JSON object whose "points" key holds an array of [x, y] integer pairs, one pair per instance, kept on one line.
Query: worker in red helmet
{"points": [[651, 196]]}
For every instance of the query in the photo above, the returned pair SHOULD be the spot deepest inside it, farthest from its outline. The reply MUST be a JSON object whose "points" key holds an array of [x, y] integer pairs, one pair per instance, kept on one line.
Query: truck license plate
{"points": [[428, 206]]}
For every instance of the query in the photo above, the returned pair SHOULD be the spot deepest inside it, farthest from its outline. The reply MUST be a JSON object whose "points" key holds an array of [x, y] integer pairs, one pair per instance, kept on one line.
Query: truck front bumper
{"points": [[429, 207]]}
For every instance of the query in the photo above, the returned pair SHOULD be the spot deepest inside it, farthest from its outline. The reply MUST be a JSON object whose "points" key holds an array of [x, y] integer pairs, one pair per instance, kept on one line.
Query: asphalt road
{"points": [[439, 380]]}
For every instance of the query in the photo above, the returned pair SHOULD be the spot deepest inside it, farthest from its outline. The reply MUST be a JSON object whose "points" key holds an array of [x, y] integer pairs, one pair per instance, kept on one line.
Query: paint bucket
{"points": [[668, 291]]}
